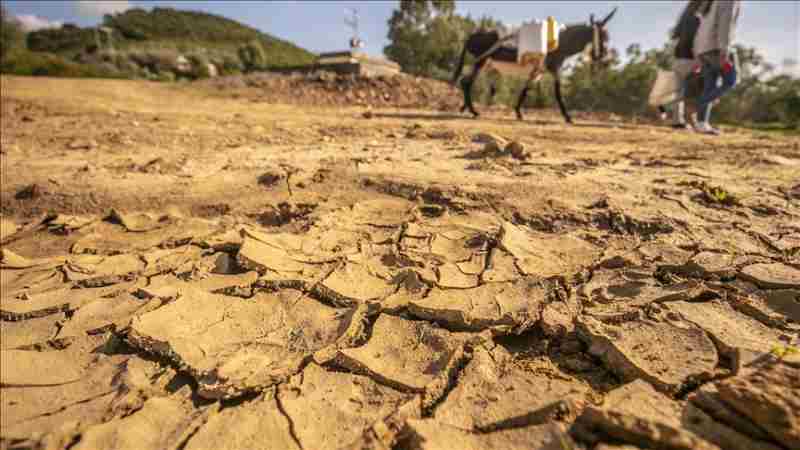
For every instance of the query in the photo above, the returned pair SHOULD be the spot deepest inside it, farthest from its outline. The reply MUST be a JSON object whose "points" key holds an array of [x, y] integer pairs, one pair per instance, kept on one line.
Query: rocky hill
{"points": [[162, 43]]}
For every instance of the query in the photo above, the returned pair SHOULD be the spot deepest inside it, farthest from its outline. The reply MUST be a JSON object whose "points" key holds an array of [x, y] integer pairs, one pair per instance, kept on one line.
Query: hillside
{"points": [[169, 28], [148, 44]]}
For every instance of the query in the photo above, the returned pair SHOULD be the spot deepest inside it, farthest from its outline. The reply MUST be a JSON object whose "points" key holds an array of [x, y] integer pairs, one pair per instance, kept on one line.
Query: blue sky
{"points": [[771, 26]]}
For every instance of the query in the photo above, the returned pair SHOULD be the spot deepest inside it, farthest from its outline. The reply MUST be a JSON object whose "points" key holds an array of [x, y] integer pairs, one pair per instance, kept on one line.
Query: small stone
{"points": [[29, 192], [772, 276], [368, 115], [486, 138], [80, 144], [224, 264], [517, 150], [578, 364], [269, 179], [491, 149], [571, 347]]}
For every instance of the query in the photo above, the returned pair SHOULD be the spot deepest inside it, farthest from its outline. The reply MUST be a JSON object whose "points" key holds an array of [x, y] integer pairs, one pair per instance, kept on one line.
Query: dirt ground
{"points": [[197, 266]]}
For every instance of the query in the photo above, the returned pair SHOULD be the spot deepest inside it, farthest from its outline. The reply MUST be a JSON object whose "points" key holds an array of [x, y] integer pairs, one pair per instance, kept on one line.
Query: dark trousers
{"points": [[712, 72]]}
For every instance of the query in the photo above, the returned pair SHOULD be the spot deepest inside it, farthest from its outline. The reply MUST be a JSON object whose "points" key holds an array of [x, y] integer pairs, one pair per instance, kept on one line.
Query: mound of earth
{"points": [[331, 89]]}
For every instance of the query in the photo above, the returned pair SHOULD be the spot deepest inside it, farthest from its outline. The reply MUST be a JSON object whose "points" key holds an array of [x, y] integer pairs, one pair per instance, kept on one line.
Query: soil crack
{"points": [[282, 409]]}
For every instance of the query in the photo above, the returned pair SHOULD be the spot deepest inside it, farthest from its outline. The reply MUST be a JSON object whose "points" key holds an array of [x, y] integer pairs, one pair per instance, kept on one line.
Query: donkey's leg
{"points": [[561, 101], [535, 76], [464, 91], [494, 78], [521, 100], [468, 82], [464, 88]]}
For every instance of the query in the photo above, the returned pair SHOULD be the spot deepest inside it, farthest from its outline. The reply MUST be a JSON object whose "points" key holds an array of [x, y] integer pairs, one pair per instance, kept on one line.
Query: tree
{"points": [[426, 35], [11, 34]]}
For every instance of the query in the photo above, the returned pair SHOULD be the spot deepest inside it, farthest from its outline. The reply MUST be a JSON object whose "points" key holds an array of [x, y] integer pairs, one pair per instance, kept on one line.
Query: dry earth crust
{"points": [[203, 266]]}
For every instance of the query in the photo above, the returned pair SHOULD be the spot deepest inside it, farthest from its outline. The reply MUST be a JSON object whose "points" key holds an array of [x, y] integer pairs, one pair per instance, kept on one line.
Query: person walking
{"points": [[685, 61], [712, 45]]}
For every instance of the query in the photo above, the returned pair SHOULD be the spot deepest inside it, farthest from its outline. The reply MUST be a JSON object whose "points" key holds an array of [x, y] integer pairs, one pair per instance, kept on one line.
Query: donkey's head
{"points": [[600, 39]]}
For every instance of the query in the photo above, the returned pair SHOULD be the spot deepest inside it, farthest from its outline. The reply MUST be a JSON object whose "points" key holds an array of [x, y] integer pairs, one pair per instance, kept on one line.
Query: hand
{"points": [[727, 67], [725, 63]]}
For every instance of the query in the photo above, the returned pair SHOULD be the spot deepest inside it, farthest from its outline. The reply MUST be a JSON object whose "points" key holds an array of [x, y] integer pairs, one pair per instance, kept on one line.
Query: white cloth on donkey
{"points": [[532, 38], [537, 38]]}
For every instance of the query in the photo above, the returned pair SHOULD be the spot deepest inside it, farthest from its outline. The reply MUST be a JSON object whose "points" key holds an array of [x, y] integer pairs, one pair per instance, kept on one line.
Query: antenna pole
{"points": [[352, 22]]}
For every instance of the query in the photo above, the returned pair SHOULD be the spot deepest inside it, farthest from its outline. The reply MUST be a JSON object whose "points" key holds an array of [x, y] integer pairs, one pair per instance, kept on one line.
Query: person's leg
{"points": [[682, 68], [679, 109], [711, 73], [712, 68], [662, 111]]}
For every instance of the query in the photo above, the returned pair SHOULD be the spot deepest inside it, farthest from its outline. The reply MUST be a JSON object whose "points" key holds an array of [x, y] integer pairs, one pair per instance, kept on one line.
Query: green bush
{"points": [[229, 65], [166, 77], [790, 111], [199, 66], [125, 64], [67, 39], [23, 62], [156, 61], [165, 28], [186, 29], [11, 35], [252, 56]]}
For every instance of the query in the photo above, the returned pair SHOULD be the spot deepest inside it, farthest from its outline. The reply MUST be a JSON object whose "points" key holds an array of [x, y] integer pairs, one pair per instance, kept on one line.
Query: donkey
{"points": [[487, 47]]}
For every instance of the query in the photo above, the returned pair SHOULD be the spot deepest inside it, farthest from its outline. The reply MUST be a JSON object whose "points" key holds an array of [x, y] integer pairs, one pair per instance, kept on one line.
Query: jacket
{"points": [[686, 35], [718, 27]]}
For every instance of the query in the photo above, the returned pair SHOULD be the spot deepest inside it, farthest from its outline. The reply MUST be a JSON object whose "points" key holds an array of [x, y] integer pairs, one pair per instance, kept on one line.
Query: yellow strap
{"points": [[552, 38]]}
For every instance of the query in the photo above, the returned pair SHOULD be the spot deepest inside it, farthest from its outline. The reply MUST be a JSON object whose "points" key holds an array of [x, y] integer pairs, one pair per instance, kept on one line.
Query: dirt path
{"points": [[250, 274]]}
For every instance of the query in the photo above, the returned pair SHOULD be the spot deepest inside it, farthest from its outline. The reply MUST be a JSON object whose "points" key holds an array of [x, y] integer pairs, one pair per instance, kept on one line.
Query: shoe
{"points": [[680, 126], [705, 128]]}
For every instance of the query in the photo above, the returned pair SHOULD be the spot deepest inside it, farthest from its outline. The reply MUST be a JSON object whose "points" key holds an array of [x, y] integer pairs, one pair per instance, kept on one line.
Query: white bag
{"points": [[666, 89], [533, 38], [537, 38]]}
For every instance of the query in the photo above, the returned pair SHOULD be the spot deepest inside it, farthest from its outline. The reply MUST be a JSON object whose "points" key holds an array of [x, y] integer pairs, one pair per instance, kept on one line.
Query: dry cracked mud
{"points": [[181, 270]]}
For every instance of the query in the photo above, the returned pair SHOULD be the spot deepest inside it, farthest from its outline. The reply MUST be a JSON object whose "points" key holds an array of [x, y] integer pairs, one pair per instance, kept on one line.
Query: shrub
{"points": [[166, 77], [156, 61], [23, 62], [11, 35], [252, 56], [199, 66], [67, 39]]}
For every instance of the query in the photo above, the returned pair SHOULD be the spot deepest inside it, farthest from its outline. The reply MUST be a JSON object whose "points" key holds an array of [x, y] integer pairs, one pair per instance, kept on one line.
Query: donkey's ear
{"points": [[591, 19], [608, 17]]}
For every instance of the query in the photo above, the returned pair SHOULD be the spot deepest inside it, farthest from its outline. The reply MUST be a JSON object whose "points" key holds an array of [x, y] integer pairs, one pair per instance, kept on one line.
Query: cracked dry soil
{"points": [[213, 273]]}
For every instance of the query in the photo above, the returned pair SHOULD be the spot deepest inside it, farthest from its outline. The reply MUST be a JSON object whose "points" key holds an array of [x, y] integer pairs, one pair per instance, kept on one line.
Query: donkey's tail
{"points": [[460, 64]]}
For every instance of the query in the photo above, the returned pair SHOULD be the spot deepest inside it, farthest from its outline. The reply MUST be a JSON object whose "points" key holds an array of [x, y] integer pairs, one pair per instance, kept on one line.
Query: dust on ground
{"points": [[181, 269]]}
